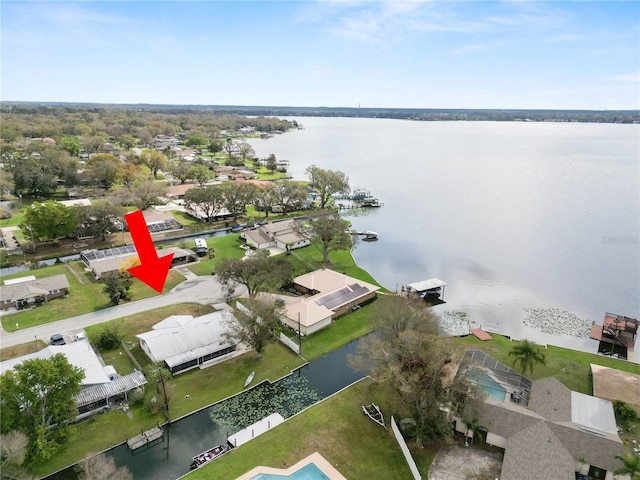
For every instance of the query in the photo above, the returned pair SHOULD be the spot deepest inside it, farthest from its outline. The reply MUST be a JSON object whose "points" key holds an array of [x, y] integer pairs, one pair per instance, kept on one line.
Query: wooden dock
{"points": [[617, 331], [145, 438], [481, 334]]}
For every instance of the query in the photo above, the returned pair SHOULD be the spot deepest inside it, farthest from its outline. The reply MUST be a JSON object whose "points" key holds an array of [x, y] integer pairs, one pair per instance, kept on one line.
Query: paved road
{"points": [[205, 290]]}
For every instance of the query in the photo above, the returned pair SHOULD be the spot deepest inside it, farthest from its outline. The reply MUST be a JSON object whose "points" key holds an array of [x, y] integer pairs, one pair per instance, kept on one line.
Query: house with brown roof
{"points": [[560, 431], [329, 294], [29, 291], [178, 191]]}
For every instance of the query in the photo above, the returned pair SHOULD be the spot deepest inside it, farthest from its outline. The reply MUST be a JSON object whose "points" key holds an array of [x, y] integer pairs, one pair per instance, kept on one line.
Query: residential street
{"points": [[205, 290]]}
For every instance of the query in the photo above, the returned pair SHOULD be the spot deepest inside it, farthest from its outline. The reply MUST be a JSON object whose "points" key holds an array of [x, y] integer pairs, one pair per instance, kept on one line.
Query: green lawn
{"points": [[336, 428], [343, 331], [204, 387], [571, 367], [16, 219], [185, 219], [83, 297], [225, 246], [132, 325]]}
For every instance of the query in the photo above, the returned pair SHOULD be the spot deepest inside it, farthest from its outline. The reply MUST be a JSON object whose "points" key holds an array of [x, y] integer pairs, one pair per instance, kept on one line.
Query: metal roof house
{"points": [[99, 389], [559, 433], [183, 342]]}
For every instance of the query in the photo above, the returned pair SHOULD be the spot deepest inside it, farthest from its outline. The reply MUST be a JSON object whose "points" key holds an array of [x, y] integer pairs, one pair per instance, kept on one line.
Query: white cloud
{"points": [[633, 77]]}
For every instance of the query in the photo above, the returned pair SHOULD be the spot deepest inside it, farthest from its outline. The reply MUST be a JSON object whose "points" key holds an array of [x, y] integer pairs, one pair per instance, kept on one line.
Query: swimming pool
{"points": [[487, 384], [308, 472]]}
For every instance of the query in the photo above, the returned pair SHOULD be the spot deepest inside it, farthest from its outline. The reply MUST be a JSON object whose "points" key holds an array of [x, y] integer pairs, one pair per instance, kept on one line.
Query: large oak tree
{"points": [[327, 183], [327, 233], [258, 272], [254, 324], [49, 220], [37, 398], [408, 356]]}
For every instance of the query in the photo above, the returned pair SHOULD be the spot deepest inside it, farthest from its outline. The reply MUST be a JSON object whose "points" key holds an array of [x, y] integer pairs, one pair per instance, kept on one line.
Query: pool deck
{"points": [[328, 469]]}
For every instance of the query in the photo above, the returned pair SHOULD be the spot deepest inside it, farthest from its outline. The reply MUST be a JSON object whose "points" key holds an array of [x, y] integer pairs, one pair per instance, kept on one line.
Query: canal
{"points": [[197, 432]]}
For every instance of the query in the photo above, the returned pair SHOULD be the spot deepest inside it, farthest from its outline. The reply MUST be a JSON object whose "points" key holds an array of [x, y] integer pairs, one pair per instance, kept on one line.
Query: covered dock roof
{"points": [[425, 285]]}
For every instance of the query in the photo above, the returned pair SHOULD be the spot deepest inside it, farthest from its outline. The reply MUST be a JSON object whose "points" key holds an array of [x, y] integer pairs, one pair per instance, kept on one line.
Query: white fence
{"points": [[290, 343], [405, 450]]}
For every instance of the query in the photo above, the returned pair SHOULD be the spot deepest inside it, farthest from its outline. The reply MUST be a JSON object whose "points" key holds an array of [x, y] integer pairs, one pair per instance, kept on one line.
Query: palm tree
{"points": [[474, 430], [527, 355], [631, 465]]}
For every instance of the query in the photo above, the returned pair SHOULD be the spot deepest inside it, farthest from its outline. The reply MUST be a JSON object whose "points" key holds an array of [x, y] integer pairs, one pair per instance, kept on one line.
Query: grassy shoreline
{"points": [[199, 389]]}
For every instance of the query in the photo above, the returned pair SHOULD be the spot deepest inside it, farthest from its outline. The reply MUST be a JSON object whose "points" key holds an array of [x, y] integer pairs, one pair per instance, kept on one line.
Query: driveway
{"points": [[457, 462], [205, 290]]}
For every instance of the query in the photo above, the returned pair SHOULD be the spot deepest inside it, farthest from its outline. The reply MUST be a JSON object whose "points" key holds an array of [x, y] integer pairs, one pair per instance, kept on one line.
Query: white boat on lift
{"points": [[370, 235]]}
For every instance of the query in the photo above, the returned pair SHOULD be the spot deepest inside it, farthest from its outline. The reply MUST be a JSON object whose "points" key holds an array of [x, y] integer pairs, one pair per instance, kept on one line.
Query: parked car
{"points": [[57, 339]]}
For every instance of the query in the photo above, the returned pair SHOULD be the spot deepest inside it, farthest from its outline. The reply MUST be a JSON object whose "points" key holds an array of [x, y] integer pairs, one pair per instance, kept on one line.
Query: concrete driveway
{"points": [[457, 462]]}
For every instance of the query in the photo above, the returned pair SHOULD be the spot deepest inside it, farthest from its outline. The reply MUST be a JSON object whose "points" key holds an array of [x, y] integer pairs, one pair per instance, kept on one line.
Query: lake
{"points": [[517, 217]]}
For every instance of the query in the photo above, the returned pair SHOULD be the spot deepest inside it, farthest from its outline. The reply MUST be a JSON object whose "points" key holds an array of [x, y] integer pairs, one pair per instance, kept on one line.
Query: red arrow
{"points": [[152, 270]]}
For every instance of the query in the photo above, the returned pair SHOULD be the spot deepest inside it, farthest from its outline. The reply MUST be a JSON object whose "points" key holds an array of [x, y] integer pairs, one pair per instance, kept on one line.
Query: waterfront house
{"points": [[545, 429], [183, 342], [329, 294], [281, 235], [30, 291]]}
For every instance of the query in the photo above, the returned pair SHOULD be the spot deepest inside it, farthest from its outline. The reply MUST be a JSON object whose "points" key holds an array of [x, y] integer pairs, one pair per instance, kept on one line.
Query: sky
{"points": [[375, 54]]}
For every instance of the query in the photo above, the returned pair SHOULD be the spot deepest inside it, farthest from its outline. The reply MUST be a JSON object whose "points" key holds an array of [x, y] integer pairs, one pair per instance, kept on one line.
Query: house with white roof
{"points": [[282, 235], [101, 386], [183, 342], [329, 294]]}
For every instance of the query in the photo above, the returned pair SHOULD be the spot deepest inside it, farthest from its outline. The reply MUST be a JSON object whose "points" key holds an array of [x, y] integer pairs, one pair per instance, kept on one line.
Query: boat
{"points": [[369, 235], [211, 454], [249, 379], [374, 413]]}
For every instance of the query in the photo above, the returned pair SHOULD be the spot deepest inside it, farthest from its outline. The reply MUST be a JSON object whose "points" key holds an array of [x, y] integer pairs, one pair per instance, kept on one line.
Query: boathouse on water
{"points": [[617, 335], [432, 288]]}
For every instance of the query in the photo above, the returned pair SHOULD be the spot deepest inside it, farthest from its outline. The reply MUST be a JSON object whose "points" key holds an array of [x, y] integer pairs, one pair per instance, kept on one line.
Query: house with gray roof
{"points": [[560, 432], [26, 292], [100, 262], [183, 342]]}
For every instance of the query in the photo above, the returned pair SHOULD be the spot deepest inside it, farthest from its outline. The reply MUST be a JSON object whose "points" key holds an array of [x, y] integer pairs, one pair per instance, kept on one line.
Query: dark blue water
{"points": [[198, 432]]}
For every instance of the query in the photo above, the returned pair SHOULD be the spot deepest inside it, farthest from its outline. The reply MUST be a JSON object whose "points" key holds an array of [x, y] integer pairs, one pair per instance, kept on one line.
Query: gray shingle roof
{"points": [[551, 399], [547, 421], [40, 286], [536, 453]]}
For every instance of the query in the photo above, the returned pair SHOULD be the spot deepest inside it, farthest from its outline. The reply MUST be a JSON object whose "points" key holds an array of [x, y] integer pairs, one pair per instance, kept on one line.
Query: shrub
{"points": [[136, 396], [108, 338], [624, 413]]}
